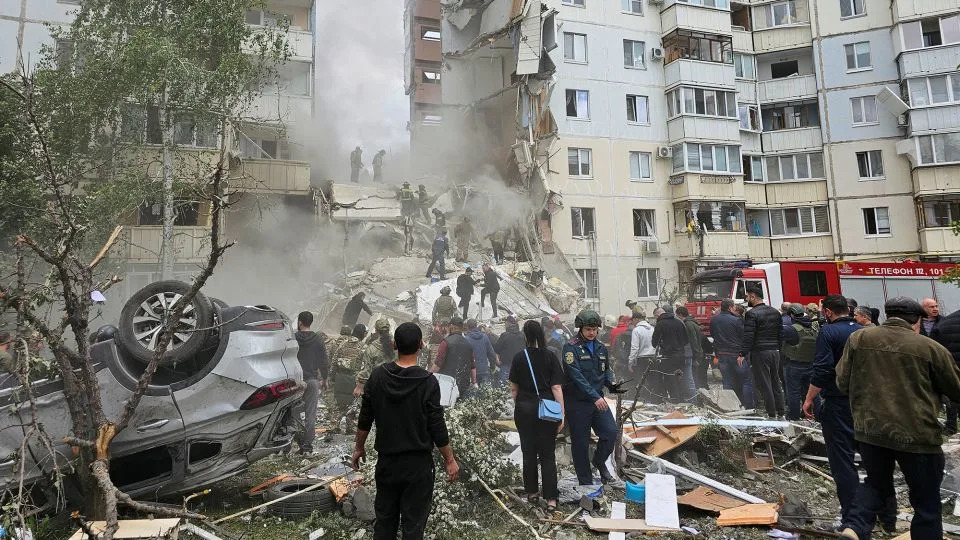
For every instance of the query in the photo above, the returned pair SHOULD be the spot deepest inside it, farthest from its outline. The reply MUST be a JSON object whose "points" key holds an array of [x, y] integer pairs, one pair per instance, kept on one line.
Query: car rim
{"points": [[150, 317]]}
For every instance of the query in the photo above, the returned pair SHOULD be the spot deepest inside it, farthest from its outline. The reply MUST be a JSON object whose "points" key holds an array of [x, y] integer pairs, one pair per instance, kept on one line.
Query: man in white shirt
{"points": [[642, 353]]}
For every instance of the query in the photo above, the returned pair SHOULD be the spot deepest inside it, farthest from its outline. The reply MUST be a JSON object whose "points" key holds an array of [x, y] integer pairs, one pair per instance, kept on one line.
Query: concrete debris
{"points": [[363, 505], [720, 398]]}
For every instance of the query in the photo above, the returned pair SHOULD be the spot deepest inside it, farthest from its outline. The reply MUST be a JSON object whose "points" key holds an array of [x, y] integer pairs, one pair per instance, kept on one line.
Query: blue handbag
{"points": [[549, 410]]}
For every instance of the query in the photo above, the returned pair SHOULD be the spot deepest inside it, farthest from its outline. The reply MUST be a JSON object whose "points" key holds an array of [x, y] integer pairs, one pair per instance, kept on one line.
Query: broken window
{"points": [[578, 160], [870, 164], [582, 222], [430, 33], [941, 213], [698, 46], [876, 221], [574, 47], [779, 70], [644, 224], [578, 104], [638, 109], [591, 281], [640, 167], [430, 76], [791, 116], [749, 117], [648, 282], [259, 17], [633, 54], [185, 213], [781, 13], [752, 169]]}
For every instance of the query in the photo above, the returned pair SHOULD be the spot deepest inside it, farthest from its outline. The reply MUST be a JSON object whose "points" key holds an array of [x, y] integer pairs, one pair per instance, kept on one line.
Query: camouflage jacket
{"points": [[345, 354], [444, 309], [373, 355]]}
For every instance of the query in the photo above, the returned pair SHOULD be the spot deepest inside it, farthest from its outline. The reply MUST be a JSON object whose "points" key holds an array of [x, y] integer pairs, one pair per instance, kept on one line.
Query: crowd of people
{"points": [[832, 362]]}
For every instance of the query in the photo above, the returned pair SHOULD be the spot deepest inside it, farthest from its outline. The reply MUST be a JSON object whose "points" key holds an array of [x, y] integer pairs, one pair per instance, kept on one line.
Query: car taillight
{"points": [[271, 393], [266, 325]]}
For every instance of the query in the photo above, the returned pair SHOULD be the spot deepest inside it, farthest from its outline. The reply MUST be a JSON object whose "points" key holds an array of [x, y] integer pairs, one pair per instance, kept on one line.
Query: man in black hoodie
{"points": [[403, 399], [491, 286], [315, 365], [465, 285], [670, 337], [352, 312]]}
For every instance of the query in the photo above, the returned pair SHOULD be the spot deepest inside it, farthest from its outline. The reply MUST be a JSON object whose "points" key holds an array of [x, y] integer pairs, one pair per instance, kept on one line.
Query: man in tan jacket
{"points": [[895, 379]]}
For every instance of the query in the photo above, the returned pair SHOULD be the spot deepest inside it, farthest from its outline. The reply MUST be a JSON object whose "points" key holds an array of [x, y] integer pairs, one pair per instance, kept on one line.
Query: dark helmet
{"points": [[345, 330], [359, 331], [436, 210], [445, 290], [588, 317], [796, 310]]}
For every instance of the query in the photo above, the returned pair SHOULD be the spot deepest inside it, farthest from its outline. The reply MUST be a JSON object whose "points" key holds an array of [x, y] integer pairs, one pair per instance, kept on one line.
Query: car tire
{"points": [[319, 500], [141, 320]]}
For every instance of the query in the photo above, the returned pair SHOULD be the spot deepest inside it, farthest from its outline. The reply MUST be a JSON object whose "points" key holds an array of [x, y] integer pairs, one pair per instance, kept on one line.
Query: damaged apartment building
{"points": [[690, 134]]}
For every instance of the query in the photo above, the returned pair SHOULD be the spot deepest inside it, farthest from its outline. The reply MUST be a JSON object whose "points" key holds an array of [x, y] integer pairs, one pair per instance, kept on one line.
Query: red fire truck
{"points": [[870, 283]]}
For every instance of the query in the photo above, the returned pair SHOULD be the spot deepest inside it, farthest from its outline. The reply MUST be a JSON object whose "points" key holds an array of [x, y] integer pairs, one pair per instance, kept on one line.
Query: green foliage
{"points": [[953, 275]]}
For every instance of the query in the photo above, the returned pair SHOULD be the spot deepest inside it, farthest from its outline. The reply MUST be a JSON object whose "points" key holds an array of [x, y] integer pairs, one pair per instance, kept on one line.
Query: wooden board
{"points": [[660, 501], [667, 438], [749, 514], [708, 499], [136, 529], [273, 481], [622, 525]]}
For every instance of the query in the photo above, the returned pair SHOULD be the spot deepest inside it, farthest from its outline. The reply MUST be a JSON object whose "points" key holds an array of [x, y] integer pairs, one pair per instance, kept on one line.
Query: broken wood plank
{"points": [[749, 514], [273, 481], [704, 498], [622, 525], [339, 489], [134, 529], [666, 431], [697, 477], [699, 420], [665, 439], [660, 501], [816, 471]]}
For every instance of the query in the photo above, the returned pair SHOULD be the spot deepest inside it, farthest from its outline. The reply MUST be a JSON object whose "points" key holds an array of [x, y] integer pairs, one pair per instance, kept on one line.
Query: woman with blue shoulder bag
{"points": [[535, 378]]}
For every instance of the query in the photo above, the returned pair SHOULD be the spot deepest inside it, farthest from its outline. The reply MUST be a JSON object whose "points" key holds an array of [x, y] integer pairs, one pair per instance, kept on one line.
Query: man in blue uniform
{"points": [[587, 366]]}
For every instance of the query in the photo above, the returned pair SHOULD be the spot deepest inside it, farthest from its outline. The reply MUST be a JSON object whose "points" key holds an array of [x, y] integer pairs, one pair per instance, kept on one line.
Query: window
{"points": [[781, 13], [752, 169], [633, 54], [931, 32], [648, 282], [644, 223], [638, 110], [702, 101], [578, 3], [812, 282], [185, 213], [591, 282], [632, 6], [712, 215], [582, 221], [430, 33], [805, 221], [864, 110], [852, 8], [935, 90], [574, 47], [743, 63], [795, 167], [190, 130], [430, 77], [870, 165], [941, 213], [791, 116], [723, 4], [578, 160], [258, 17], [141, 125], [578, 104], [698, 46], [749, 117], [858, 55], [779, 70], [713, 158], [63, 53], [640, 167], [939, 148], [876, 221]]}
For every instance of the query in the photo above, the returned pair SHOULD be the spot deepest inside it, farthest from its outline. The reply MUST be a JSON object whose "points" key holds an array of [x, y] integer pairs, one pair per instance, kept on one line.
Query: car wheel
{"points": [[219, 303], [146, 311], [319, 500]]}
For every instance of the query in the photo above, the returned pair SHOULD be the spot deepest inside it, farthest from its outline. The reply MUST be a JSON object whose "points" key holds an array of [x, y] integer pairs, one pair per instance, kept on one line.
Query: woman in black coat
{"points": [[538, 438]]}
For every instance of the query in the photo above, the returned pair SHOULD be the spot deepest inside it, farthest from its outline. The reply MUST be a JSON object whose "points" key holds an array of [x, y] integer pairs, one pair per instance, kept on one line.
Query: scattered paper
{"points": [[661, 501]]}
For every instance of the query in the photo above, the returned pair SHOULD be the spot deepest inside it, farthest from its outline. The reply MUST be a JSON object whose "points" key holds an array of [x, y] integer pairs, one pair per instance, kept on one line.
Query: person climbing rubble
{"points": [[455, 358], [424, 201], [408, 203], [377, 351], [491, 287], [439, 220], [463, 232], [356, 162], [352, 311], [496, 243], [586, 364], [444, 308], [438, 252], [346, 354], [465, 287], [407, 234], [378, 166]]}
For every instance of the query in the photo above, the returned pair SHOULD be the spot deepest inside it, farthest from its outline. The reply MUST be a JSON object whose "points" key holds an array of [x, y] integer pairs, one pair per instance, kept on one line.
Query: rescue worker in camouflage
{"points": [[424, 201], [345, 353], [586, 363], [462, 233], [444, 308], [379, 349]]}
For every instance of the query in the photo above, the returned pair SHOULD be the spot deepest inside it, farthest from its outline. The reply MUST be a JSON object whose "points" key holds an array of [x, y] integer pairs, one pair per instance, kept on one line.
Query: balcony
{"points": [[782, 38], [929, 61], [938, 240], [936, 180], [702, 128], [299, 42], [727, 246], [427, 93], [787, 89], [427, 9], [699, 73], [759, 248], [711, 21], [802, 247], [141, 243], [794, 193], [276, 108], [746, 91], [272, 176], [789, 140], [750, 142], [756, 193], [926, 120], [911, 9], [743, 41], [426, 50], [699, 187]]}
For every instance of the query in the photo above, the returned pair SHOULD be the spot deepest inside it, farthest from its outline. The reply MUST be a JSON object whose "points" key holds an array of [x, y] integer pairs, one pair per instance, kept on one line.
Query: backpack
{"points": [[806, 348]]}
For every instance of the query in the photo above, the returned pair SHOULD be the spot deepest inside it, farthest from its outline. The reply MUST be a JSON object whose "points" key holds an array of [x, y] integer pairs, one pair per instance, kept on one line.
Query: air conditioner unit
{"points": [[902, 120], [664, 152], [651, 246], [656, 53]]}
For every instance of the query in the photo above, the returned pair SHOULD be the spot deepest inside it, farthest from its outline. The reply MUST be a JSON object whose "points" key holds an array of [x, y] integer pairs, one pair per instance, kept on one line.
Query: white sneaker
{"points": [[849, 533]]}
